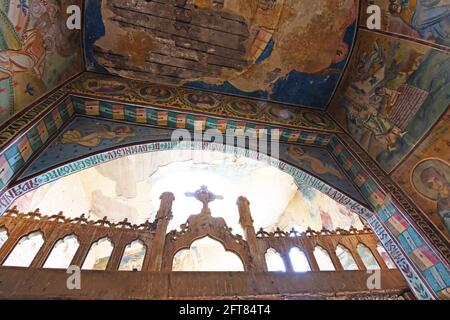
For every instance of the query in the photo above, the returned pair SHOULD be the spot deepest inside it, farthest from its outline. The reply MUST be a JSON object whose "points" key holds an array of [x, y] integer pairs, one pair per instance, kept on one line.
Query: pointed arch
{"points": [[323, 259], [99, 255], [274, 261], [93, 160], [133, 256], [62, 253], [346, 258], [25, 250], [206, 254], [298, 260], [367, 257], [3, 236]]}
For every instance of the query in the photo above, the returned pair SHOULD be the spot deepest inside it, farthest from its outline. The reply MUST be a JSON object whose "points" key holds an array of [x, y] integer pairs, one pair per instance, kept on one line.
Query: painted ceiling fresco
{"points": [[37, 51], [425, 175], [288, 51], [319, 162], [201, 102], [84, 136], [394, 101], [393, 93], [427, 20]]}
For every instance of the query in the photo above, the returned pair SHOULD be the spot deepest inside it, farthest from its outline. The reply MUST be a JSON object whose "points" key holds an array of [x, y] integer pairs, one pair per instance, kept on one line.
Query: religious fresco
{"points": [[427, 20], [391, 221], [37, 51], [319, 162], [393, 93], [85, 136], [425, 175], [287, 51], [323, 213], [188, 100]]}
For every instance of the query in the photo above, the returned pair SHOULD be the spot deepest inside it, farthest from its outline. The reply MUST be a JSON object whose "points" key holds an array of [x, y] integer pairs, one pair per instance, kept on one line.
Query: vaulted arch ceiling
{"points": [[388, 88], [257, 48]]}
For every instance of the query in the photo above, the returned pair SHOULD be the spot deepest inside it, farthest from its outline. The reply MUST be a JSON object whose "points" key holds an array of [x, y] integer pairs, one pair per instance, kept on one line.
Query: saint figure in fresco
{"points": [[203, 101], [315, 164], [431, 179], [159, 93], [376, 126], [436, 181], [117, 134], [430, 18], [30, 57]]}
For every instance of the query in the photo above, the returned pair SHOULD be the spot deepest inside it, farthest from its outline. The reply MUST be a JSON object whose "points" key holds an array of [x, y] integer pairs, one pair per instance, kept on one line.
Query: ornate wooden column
{"points": [[331, 250], [378, 258], [246, 221], [309, 253], [357, 258], [85, 239], [116, 255], [163, 217], [287, 261], [7, 247], [45, 250], [81, 253]]}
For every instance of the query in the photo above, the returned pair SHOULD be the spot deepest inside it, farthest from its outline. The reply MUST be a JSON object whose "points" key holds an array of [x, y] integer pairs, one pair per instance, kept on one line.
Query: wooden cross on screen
{"points": [[204, 196]]}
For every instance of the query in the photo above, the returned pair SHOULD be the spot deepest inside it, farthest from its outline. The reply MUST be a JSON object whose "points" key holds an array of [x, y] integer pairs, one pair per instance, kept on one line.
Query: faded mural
{"points": [[131, 187], [425, 175], [37, 51], [393, 93], [203, 103], [321, 164], [269, 49], [85, 136], [427, 20]]}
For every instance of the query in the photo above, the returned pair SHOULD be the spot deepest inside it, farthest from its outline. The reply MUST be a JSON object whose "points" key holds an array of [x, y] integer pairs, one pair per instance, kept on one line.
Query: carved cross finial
{"points": [[204, 196]]}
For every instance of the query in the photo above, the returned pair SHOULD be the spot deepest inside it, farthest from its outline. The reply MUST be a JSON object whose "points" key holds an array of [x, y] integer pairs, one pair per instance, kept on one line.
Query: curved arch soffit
{"points": [[300, 176]]}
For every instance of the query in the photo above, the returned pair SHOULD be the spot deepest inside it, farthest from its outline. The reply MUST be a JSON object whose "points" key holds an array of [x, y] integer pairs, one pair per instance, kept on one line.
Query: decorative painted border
{"points": [[392, 224], [24, 145], [18, 125], [140, 115], [176, 98], [26, 135], [435, 236]]}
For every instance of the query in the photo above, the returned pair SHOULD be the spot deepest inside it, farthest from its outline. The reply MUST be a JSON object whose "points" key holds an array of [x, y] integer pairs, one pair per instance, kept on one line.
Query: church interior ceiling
{"points": [[37, 51], [86, 136], [189, 100], [394, 100], [310, 68], [263, 49], [422, 21]]}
